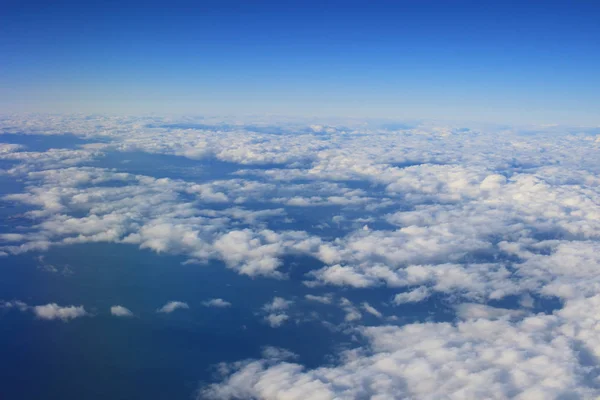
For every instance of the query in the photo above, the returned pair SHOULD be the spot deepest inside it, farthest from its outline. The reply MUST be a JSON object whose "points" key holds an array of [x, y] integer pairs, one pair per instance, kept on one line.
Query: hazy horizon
{"points": [[503, 62]]}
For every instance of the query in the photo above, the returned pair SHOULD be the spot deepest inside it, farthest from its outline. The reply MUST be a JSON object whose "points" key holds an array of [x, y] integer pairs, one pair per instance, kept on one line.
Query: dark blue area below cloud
{"points": [[163, 355]]}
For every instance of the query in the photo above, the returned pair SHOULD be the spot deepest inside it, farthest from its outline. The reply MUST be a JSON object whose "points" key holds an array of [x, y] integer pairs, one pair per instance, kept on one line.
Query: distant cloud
{"points": [[54, 311], [414, 296], [352, 313], [275, 320], [19, 305], [276, 353], [371, 310], [475, 311], [277, 304], [327, 299], [219, 303], [467, 216], [120, 311], [479, 357], [275, 309], [172, 306]]}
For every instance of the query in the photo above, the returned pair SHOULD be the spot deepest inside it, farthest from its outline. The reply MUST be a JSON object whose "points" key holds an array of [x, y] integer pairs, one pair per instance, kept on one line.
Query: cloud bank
{"points": [[489, 223]]}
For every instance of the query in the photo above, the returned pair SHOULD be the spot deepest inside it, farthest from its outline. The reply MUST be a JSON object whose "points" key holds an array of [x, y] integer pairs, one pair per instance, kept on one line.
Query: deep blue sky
{"points": [[498, 61]]}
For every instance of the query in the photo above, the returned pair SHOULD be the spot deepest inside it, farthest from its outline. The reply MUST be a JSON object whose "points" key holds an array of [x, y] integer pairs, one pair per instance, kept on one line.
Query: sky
{"points": [[507, 62], [228, 200]]}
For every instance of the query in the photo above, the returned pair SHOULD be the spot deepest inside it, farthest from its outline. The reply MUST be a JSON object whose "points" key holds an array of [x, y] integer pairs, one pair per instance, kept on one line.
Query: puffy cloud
{"points": [[172, 306], [459, 216], [371, 310], [219, 303], [474, 311], [120, 311], [277, 304], [352, 313], [54, 311], [276, 353], [275, 310], [275, 320], [466, 215], [414, 296], [326, 299], [342, 276], [6, 148], [541, 356], [19, 305]]}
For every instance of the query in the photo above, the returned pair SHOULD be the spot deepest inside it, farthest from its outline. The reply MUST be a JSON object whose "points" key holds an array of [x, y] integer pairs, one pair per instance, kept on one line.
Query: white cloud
{"points": [[464, 215], [414, 296], [474, 311], [172, 306], [371, 310], [342, 276], [120, 311], [352, 313], [276, 353], [54, 311], [541, 356], [9, 148], [326, 299], [275, 320], [275, 311], [277, 304], [19, 305], [219, 303]]}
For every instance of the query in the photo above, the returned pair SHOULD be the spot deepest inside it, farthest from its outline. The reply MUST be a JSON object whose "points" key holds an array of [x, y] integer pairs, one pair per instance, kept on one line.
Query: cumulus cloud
{"points": [[120, 311], [326, 299], [447, 215], [275, 311], [474, 310], [172, 306], [542, 356], [219, 303], [16, 304], [50, 311], [371, 310], [277, 304], [54, 311], [414, 296], [276, 353], [352, 313], [275, 320]]}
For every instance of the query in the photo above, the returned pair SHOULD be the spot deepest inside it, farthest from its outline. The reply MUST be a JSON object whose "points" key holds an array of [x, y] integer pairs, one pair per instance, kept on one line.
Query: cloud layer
{"points": [[488, 222]]}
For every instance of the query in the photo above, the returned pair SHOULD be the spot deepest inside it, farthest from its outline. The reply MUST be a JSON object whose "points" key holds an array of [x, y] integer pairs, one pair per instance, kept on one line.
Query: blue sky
{"points": [[513, 62]]}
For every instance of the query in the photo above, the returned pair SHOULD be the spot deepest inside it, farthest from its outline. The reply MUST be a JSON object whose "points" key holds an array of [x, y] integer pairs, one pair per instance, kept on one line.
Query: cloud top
{"points": [[120, 311], [172, 306], [54, 311], [218, 303]]}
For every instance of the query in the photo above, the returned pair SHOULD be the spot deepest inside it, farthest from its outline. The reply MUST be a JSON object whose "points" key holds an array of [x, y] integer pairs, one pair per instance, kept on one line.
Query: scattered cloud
{"points": [[172, 306], [17, 304], [536, 356], [326, 299], [275, 320], [371, 310], [414, 296], [277, 304], [218, 303], [275, 311], [469, 216], [352, 313], [54, 311], [120, 311]]}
